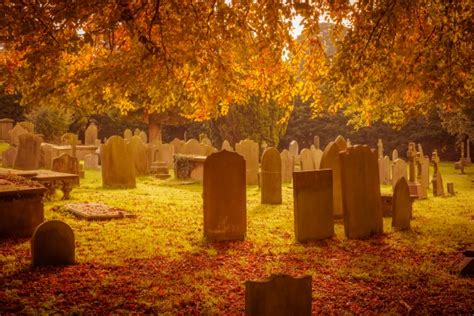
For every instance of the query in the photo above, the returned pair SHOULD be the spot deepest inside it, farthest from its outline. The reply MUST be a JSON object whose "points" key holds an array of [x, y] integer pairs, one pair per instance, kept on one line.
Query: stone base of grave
{"points": [[416, 190], [159, 169], [97, 211]]}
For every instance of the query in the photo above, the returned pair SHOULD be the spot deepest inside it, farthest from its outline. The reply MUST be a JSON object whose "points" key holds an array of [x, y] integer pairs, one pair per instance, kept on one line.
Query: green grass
{"points": [[168, 267]]}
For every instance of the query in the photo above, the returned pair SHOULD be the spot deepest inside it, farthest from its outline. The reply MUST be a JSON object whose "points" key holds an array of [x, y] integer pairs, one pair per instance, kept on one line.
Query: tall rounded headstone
{"points": [[91, 134], [118, 170], [224, 197], [401, 205], [52, 244], [330, 160], [29, 152], [286, 166], [249, 149], [139, 152], [271, 176]]}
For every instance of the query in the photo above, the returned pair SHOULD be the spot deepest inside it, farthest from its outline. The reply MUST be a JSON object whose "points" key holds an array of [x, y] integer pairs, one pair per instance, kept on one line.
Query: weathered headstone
{"points": [[52, 244], [29, 151], [208, 149], [15, 132], [271, 177], [139, 154], [249, 150], [348, 142], [425, 172], [331, 160], [70, 139], [316, 142], [294, 150], [437, 181], [165, 153], [118, 170], [286, 166], [6, 125], [384, 169], [30, 127], [91, 134], [317, 155], [450, 187], [360, 192], [401, 205], [306, 160], [341, 142], [127, 134], [224, 197], [178, 145], [280, 295], [313, 204], [380, 148], [263, 146], [413, 184], [226, 146], [91, 161], [193, 147], [206, 141], [399, 170], [394, 155], [65, 163], [143, 136], [8, 157], [136, 132]]}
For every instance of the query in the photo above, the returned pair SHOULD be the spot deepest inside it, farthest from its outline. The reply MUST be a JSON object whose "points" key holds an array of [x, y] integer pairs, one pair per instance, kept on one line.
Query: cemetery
{"points": [[200, 158]]}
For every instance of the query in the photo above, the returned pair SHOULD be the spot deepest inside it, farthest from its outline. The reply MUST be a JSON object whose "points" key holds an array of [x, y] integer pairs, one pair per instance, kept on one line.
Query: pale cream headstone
{"points": [[206, 141], [139, 152], [401, 205], [286, 166], [208, 149], [294, 150], [394, 155], [15, 132], [165, 153], [384, 165], [249, 150], [91, 134], [317, 155], [127, 134], [118, 169], [91, 161], [6, 126], [224, 197], [29, 152], [313, 205], [271, 177], [52, 244], [330, 160], [316, 142], [143, 136], [226, 146], [8, 157], [437, 180], [136, 132], [193, 147], [341, 142], [360, 192], [65, 163], [425, 172], [399, 170], [380, 148], [178, 145], [306, 160]]}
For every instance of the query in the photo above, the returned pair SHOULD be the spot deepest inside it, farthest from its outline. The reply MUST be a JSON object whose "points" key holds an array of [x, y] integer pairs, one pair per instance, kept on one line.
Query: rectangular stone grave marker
{"points": [[97, 211]]}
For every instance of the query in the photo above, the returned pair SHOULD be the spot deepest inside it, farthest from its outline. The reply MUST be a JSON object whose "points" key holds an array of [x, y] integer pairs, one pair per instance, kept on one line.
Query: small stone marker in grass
{"points": [[97, 211], [401, 206], [278, 295], [52, 244]]}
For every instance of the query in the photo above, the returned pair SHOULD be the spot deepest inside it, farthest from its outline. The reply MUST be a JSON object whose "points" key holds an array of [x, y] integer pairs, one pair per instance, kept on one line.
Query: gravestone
{"points": [[177, 144], [249, 150], [226, 146], [193, 147], [70, 139], [380, 148], [8, 157], [15, 132], [165, 153], [29, 152], [127, 134], [91, 161], [53, 244], [450, 187], [348, 142], [271, 177], [316, 142], [360, 192], [118, 169], [139, 154], [286, 166], [143, 136], [136, 132], [413, 184], [384, 169], [65, 163], [306, 160], [90, 135], [341, 142], [394, 155], [421, 178], [425, 172], [313, 205], [437, 181], [224, 197], [317, 155], [263, 146], [401, 205], [294, 150], [208, 149], [6, 125], [30, 127], [399, 170], [331, 160], [279, 295], [206, 141]]}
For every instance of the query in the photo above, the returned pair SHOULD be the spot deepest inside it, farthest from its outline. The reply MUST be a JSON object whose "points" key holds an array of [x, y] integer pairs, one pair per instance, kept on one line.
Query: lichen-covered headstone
{"points": [[330, 160], [286, 166], [118, 169], [401, 205], [361, 192], [306, 160], [313, 205], [52, 244], [271, 176], [250, 151], [279, 295], [90, 135], [29, 152], [224, 197]]}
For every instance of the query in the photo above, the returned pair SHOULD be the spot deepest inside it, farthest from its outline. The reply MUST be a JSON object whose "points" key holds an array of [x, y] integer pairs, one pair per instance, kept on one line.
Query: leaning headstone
{"points": [[65, 163], [139, 154], [224, 197], [249, 150], [6, 125], [331, 160], [399, 170], [91, 161], [8, 157], [15, 132], [313, 205], [271, 177], [286, 166], [52, 244], [127, 134], [91, 134], [294, 150], [306, 160], [394, 155], [118, 170], [279, 295], [401, 206], [226, 146], [317, 155], [360, 192], [29, 152]]}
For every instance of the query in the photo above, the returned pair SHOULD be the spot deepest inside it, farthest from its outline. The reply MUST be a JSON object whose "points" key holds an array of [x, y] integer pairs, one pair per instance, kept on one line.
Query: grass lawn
{"points": [[159, 262]]}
